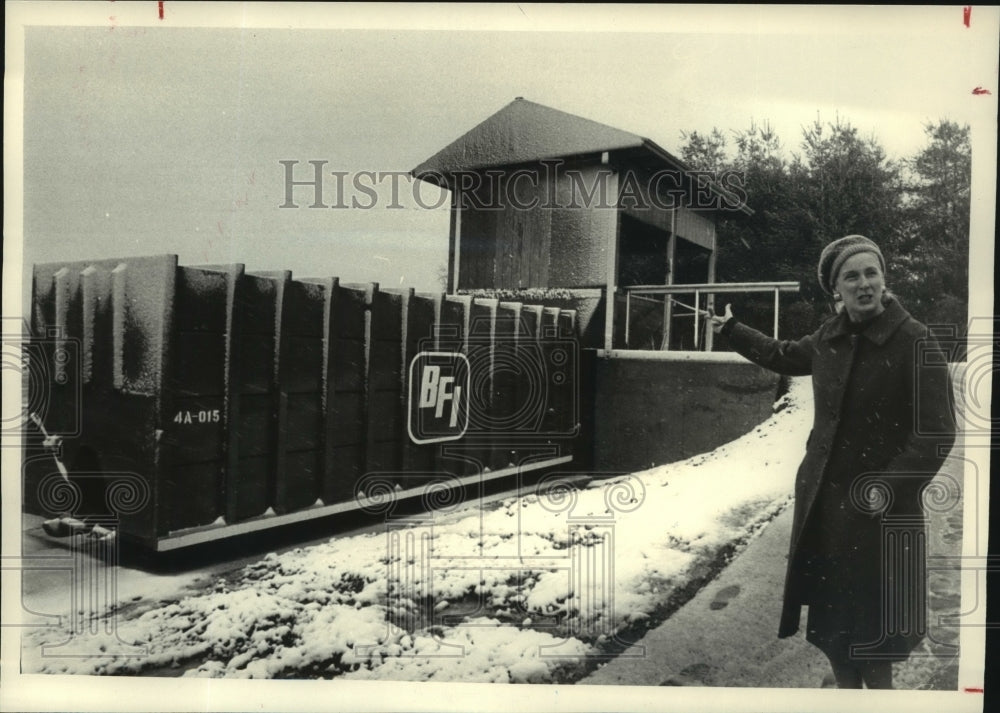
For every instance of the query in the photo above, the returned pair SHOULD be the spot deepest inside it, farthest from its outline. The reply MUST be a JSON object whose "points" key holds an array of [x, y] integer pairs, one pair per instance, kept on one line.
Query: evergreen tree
{"points": [[703, 152], [933, 249], [850, 186], [768, 244], [842, 183]]}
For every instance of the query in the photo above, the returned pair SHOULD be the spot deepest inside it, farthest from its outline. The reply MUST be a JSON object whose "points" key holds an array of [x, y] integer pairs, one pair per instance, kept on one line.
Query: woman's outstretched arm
{"points": [[791, 357]]}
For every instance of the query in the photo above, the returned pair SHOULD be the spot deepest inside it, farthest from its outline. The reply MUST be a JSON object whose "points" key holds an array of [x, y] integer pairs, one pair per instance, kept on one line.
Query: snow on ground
{"points": [[520, 592]]}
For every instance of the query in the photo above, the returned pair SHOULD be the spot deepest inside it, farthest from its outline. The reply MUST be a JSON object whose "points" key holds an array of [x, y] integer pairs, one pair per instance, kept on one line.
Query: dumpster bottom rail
{"points": [[213, 533]]}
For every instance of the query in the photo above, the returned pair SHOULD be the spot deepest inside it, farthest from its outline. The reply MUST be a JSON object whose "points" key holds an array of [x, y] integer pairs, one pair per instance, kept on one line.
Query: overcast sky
{"points": [[156, 137]]}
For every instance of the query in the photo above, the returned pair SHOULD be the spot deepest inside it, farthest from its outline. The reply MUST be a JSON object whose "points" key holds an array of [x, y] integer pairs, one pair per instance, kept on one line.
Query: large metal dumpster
{"points": [[198, 403]]}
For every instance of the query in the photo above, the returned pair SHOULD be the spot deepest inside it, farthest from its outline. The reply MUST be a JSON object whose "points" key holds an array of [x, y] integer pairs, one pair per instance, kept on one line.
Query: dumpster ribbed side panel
{"points": [[66, 286], [547, 341], [330, 289], [150, 285], [119, 304], [256, 321], [345, 426], [566, 374], [232, 477], [482, 401], [94, 290], [386, 417], [148, 290], [195, 427], [561, 369], [531, 389], [505, 412], [301, 385]]}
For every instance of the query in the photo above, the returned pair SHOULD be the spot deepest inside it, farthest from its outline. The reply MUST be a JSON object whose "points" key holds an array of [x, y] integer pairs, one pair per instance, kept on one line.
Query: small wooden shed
{"points": [[546, 200]]}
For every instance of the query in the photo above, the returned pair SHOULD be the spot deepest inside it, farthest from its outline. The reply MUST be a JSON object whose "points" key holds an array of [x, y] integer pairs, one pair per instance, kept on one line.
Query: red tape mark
{"points": [[160, 7], [973, 690], [966, 14]]}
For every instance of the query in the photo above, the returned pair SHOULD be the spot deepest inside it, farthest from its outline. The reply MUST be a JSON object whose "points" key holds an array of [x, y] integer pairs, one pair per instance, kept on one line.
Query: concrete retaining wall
{"points": [[658, 408]]}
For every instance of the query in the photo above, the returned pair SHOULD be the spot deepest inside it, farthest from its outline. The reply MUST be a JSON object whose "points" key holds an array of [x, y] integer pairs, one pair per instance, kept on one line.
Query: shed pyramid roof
{"points": [[526, 132], [522, 132]]}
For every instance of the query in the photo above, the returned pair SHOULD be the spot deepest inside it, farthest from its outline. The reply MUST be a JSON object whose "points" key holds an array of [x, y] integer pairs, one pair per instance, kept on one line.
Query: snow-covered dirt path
{"points": [[530, 589]]}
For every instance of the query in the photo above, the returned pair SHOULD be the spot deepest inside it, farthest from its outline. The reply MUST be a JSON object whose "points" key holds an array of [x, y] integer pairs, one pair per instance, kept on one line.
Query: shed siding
{"points": [[523, 230], [477, 248], [638, 203], [579, 233], [696, 228]]}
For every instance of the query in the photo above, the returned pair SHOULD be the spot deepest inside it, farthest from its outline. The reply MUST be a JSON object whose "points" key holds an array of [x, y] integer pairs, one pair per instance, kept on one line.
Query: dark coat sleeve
{"points": [[793, 358]]}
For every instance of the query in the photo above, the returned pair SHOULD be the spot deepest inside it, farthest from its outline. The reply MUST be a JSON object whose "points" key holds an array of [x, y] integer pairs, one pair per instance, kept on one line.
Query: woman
{"points": [[882, 428]]}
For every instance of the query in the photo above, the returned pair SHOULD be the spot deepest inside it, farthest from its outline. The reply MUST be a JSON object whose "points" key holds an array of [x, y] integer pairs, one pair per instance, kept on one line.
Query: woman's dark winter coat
{"points": [[883, 425]]}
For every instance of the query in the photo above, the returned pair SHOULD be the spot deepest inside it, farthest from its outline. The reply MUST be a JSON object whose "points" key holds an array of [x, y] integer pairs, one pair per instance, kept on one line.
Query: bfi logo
{"points": [[438, 405]]}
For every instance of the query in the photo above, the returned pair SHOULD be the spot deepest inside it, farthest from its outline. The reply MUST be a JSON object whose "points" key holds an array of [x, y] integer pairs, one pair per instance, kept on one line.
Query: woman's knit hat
{"points": [[836, 254]]}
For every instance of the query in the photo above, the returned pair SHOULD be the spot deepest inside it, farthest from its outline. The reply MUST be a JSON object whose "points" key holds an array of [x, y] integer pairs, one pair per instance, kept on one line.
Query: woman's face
{"points": [[860, 284]]}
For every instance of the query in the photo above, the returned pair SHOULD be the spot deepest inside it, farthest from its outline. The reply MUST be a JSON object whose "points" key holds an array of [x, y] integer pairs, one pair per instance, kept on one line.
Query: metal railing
{"points": [[695, 311]]}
